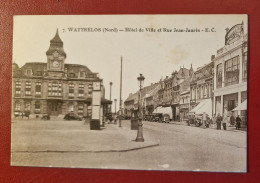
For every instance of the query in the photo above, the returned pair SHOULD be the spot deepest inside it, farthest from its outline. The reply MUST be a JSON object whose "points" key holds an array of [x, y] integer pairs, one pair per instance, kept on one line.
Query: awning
{"points": [[241, 107], [156, 110], [163, 110], [203, 106]]}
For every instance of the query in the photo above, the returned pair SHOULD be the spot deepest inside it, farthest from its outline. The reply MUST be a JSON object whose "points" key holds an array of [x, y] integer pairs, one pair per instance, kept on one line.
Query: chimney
{"points": [[212, 57]]}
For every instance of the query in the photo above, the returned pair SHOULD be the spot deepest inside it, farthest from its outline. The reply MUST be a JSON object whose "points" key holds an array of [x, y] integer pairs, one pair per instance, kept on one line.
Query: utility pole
{"points": [[120, 108], [115, 111]]}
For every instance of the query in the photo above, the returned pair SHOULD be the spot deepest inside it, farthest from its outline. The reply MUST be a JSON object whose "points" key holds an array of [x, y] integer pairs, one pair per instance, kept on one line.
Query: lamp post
{"points": [[110, 84], [115, 111], [140, 137]]}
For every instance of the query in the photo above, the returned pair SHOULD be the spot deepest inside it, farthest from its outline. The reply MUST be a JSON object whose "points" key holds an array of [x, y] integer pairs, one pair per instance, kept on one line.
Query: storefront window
{"points": [[230, 102], [219, 76], [232, 71]]}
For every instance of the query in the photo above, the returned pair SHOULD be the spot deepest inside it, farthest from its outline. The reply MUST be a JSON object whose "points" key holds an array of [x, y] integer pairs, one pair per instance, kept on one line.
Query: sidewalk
{"points": [[72, 136], [229, 128]]}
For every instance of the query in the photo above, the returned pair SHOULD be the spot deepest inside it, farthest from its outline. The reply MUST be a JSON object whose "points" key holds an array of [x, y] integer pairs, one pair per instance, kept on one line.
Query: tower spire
{"points": [[56, 44]]}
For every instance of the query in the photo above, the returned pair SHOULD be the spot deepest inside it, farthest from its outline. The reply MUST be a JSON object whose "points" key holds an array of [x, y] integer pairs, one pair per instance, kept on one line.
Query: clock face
{"points": [[96, 86], [56, 54], [55, 64]]}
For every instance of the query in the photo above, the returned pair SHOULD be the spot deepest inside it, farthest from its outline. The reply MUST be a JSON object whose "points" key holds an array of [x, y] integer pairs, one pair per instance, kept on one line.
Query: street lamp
{"points": [[110, 110], [115, 111], [110, 89], [140, 137]]}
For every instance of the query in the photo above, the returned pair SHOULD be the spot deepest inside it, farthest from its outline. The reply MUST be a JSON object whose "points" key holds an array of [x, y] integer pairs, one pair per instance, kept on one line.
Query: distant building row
{"points": [[220, 86]]}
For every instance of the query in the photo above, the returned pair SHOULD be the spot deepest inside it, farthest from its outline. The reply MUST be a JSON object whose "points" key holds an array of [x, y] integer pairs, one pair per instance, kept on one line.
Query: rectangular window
{"points": [[54, 89], [81, 90], [37, 107], [198, 92], [17, 87], [27, 106], [82, 74], [80, 109], [219, 76], [28, 86], [18, 106], [244, 68], [28, 72], [38, 88], [232, 71], [71, 90], [39, 73]]}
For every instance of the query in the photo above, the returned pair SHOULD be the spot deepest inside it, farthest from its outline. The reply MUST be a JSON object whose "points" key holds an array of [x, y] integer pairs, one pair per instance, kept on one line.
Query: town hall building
{"points": [[54, 87]]}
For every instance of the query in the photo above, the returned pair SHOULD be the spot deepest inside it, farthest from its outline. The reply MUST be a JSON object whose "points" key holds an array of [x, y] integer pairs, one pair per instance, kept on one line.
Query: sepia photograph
{"points": [[135, 92]]}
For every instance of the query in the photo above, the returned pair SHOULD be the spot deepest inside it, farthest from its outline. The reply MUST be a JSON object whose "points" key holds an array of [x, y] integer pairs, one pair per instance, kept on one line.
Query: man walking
{"points": [[225, 121], [238, 122], [204, 119], [232, 120], [219, 119]]}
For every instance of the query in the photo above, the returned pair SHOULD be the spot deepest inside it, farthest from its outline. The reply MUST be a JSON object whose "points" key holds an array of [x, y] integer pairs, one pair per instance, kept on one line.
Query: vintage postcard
{"points": [[145, 92]]}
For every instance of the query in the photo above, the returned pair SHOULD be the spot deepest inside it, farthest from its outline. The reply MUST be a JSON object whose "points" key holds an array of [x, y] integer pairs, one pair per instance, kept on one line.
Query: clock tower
{"points": [[56, 57]]}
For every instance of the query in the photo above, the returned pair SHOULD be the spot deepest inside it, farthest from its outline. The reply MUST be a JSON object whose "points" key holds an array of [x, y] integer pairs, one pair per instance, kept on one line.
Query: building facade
{"points": [[230, 73], [54, 87], [201, 85]]}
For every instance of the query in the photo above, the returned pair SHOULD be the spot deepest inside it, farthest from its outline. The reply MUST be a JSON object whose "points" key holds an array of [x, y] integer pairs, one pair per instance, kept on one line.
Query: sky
{"points": [[154, 54]]}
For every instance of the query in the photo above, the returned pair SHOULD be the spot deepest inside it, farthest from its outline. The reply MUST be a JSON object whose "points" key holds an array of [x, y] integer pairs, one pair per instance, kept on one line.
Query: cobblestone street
{"points": [[61, 143]]}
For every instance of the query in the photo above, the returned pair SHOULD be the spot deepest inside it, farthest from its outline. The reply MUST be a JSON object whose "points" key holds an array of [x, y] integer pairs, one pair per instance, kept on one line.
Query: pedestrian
{"points": [[214, 120], [204, 118], [22, 114], [225, 121], [232, 120], [219, 119], [238, 122]]}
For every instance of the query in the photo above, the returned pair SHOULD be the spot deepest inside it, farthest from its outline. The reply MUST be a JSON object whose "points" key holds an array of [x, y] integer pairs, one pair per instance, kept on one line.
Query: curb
{"points": [[91, 151]]}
